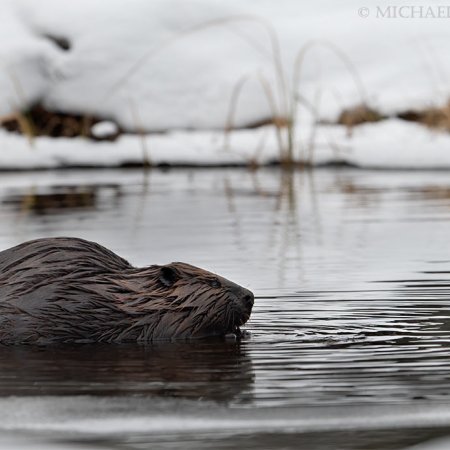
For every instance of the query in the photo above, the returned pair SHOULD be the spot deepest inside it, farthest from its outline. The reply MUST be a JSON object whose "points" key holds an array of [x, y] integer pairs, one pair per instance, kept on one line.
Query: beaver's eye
{"points": [[167, 276], [215, 283]]}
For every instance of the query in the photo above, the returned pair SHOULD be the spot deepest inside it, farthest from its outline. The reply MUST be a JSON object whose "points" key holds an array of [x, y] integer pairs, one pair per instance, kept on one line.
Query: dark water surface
{"points": [[350, 334]]}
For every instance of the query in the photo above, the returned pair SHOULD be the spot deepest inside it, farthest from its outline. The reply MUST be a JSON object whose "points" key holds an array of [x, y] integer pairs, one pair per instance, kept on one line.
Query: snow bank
{"points": [[138, 56], [387, 144]]}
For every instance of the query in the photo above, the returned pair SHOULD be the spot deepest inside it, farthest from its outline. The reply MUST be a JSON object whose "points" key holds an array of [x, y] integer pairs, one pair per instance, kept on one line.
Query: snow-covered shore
{"points": [[173, 65], [387, 144]]}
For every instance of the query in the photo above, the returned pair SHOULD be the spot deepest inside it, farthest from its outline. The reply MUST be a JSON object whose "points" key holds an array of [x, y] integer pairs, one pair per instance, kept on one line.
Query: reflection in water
{"points": [[201, 370], [347, 440], [54, 199], [388, 344], [286, 221]]}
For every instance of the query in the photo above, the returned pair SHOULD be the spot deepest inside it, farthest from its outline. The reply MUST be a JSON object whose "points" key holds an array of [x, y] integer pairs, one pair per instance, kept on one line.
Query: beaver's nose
{"points": [[244, 296], [248, 298]]}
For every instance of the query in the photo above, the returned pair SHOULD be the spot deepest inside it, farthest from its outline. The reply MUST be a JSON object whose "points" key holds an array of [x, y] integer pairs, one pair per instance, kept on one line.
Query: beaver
{"points": [[70, 290]]}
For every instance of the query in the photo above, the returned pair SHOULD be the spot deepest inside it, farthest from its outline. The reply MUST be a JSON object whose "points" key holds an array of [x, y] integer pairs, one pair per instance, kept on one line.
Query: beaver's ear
{"points": [[167, 276]]}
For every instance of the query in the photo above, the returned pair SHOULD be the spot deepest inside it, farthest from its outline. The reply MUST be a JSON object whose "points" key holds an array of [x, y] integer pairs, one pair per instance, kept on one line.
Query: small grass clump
{"points": [[284, 99]]}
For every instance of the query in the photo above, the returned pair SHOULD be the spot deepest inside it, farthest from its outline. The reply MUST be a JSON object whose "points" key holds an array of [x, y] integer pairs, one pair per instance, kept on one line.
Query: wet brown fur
{"points": [[70, 290]]}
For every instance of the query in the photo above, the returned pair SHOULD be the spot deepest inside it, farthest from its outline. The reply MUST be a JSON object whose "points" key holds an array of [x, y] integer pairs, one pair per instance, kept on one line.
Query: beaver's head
{"points": [[184, 301]]}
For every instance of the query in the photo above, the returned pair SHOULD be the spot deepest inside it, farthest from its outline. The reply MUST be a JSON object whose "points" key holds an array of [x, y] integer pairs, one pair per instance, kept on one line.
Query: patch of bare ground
{"points": [[357, 115], [437, 117], [39, 121], [279, 122]]}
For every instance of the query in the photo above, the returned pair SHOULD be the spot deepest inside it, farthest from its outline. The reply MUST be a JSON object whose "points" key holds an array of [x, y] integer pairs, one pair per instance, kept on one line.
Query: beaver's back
{"points": [[51, 280], [40, 253]]}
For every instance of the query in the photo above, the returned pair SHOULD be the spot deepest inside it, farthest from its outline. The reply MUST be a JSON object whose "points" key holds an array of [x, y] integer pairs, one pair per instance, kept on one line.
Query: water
{"points": [[349, 334]]}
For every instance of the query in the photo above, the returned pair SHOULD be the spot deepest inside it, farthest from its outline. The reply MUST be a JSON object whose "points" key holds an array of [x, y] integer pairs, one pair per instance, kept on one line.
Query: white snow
{"points": [[173, 66], [104, 129], [388, 144]]}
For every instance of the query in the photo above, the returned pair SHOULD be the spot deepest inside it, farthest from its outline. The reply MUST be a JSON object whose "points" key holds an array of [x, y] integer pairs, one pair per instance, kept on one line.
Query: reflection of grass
{"points": [[43, 203], [283, 227]]}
